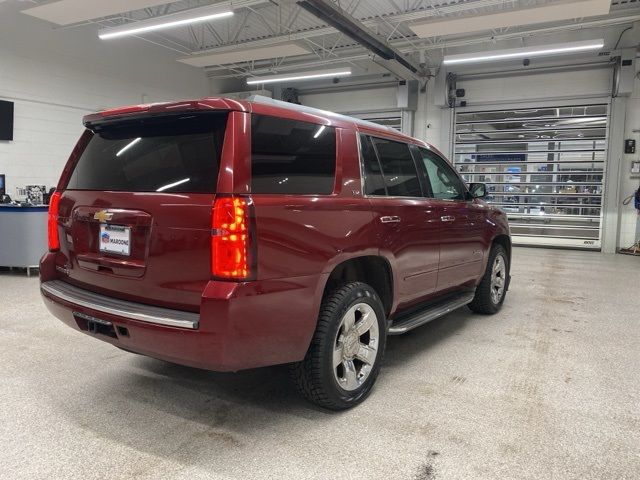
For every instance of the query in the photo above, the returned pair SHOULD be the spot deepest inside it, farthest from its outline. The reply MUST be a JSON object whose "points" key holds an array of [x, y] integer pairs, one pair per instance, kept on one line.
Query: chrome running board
{"points": [[408, 322]]}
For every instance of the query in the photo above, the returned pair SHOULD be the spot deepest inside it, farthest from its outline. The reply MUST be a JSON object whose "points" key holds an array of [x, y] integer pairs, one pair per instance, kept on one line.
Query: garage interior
{"points": [[540, 105]]}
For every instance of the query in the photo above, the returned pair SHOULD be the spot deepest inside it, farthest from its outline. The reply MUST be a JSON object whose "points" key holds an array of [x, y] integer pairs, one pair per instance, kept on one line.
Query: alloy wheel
{"points": [[355, 348]]}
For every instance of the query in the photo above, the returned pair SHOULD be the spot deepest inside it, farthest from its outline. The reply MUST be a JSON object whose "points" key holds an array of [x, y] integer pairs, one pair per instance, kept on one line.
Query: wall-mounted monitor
{"points": [[6, 120], [2, 185]]}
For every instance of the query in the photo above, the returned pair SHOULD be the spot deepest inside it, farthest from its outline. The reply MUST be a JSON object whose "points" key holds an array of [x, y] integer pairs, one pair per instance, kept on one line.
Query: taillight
{"points": [[52, 222], [233, 253]]}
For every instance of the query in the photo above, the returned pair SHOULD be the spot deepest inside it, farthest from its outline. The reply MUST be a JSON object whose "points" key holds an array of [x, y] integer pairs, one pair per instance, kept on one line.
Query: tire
{"points": [[487, 300], [333, 374]]}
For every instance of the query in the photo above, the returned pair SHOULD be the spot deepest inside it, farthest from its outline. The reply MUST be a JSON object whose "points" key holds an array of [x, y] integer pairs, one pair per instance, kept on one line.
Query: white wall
{"points": [[55, 76], [629, 219], [534, 85], [361, 100]]}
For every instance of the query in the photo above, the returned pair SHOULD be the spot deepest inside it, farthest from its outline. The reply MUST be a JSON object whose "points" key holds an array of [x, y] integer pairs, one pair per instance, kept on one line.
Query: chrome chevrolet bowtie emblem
{"points": [[102, 216]]}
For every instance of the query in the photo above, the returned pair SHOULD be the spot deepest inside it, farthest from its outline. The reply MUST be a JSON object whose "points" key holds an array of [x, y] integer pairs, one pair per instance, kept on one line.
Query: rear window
{"points": [[292, 157], [175, 155]]}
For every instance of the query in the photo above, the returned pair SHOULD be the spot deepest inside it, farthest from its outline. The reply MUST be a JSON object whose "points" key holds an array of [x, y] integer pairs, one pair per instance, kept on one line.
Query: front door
{"points": [[461, 223]]}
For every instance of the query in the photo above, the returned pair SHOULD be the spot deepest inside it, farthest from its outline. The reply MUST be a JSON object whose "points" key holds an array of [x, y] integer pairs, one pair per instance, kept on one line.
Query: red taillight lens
{"points": [[52, 222], [232, 252]]}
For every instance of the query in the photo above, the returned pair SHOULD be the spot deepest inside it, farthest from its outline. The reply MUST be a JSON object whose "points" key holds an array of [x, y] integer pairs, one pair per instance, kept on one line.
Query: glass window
{"points": [[373, 181], [175, 154], [444, 182], [292, 157], [398, 168]]}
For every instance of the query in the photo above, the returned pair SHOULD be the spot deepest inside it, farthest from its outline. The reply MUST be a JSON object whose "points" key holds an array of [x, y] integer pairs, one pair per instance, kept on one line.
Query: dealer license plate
{"points": [[115, 239]]}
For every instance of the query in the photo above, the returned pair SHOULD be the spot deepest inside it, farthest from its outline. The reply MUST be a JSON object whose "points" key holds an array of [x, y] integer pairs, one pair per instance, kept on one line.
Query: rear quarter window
{"points": [[175, 155], [292, 157]]}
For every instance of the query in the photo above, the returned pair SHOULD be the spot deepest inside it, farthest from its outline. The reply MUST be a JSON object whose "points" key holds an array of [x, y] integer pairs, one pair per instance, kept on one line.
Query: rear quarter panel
{"points": [[311, 234]]}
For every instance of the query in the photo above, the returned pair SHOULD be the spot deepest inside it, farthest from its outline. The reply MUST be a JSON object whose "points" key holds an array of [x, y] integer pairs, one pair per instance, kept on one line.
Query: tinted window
{"points": [[398, 168], [373, 181], [445, 184], [177, 154], [288, 156]]}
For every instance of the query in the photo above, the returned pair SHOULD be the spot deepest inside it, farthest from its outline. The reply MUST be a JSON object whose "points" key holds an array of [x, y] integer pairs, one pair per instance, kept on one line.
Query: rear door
{"points": [[136, 211], [407, 222], [461, 221]]}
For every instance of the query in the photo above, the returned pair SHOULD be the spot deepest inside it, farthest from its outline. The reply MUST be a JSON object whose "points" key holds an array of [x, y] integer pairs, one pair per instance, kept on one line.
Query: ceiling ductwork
{"points": [[385, 55]]}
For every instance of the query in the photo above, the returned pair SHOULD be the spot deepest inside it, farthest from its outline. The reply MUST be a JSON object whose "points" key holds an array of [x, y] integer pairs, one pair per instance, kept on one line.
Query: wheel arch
{"points": [[374, 270], [505, 241]]}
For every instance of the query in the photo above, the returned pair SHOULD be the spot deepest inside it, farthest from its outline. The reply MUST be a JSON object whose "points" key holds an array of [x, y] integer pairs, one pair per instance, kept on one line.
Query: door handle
{"points": [[447, 218], [390, 219]]}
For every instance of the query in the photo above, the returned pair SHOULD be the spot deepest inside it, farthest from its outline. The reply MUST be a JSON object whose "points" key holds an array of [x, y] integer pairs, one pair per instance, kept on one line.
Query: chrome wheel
{"points": [[355, 348], [498, 279]]}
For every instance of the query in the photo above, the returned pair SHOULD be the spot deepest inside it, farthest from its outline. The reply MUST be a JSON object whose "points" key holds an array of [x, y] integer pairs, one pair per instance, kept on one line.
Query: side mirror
{"points": [[478, 190]]}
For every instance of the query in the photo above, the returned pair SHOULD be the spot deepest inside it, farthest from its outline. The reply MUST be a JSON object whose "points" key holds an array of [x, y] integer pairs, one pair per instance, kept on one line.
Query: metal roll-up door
{"points": [[545, 167]]}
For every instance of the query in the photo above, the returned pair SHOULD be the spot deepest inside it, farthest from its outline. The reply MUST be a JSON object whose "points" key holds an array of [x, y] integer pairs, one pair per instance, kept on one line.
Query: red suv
{"points": [[228, 235]]}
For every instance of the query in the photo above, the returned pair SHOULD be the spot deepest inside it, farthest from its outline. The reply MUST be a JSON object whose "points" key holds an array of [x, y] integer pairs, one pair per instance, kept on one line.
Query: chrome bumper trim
{"points": [[121, 308]]}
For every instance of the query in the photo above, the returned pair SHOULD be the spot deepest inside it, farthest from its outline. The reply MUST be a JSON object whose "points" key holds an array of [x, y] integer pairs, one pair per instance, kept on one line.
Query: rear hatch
{"points": [[136, 211]]}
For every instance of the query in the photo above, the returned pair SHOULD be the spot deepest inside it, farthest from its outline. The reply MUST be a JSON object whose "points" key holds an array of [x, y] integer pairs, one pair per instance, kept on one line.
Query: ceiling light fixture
{"points": [[526, 52], [341, 72], [187, 17]]}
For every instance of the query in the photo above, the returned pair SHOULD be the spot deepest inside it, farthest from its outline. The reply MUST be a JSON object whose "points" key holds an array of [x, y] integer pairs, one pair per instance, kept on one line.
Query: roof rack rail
{"points": [[317, 111]]}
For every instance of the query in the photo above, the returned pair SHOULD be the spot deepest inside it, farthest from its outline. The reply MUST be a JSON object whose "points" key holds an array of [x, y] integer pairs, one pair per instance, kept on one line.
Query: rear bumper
{"points": [[240, 325], [61, 291]]}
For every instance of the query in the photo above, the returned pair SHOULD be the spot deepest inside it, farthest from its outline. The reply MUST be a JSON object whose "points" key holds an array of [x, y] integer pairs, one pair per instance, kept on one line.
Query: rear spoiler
{"points": [[132, 112]]}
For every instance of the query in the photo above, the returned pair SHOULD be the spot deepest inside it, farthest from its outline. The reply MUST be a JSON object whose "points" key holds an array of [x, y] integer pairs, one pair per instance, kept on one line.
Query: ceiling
{"points": [[276, 36]]}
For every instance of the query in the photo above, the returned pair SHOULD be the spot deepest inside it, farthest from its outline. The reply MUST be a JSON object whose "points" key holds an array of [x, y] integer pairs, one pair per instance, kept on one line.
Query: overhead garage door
{"points": [[544, 166]]}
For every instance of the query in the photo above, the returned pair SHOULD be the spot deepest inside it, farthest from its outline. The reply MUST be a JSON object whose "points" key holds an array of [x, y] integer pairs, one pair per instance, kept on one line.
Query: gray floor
{"points": [[548, 388]]}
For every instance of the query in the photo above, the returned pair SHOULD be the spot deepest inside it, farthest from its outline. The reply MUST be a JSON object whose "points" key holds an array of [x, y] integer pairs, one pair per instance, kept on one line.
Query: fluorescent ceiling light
{"points": [[187, 17], [555, 12], [526, 52], [341, 72], [319, 131], [240, 54]]}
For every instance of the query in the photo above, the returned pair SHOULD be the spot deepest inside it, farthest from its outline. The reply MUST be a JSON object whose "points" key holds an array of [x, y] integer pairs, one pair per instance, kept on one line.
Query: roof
{"points": [[256, 103]]}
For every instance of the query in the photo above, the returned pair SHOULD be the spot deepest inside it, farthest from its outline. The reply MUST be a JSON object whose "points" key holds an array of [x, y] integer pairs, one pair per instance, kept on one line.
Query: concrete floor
{"points": [[548, 388]]}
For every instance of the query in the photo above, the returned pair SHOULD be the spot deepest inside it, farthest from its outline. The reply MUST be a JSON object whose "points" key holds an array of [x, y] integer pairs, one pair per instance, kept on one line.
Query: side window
{"points": [[398, 168], [373, 181], [292, 157], [445, 184]]}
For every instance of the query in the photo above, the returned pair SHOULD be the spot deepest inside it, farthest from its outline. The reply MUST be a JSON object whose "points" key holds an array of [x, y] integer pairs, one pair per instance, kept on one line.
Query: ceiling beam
{"points": [[358, 54], [389, 57], [321, 31]]}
